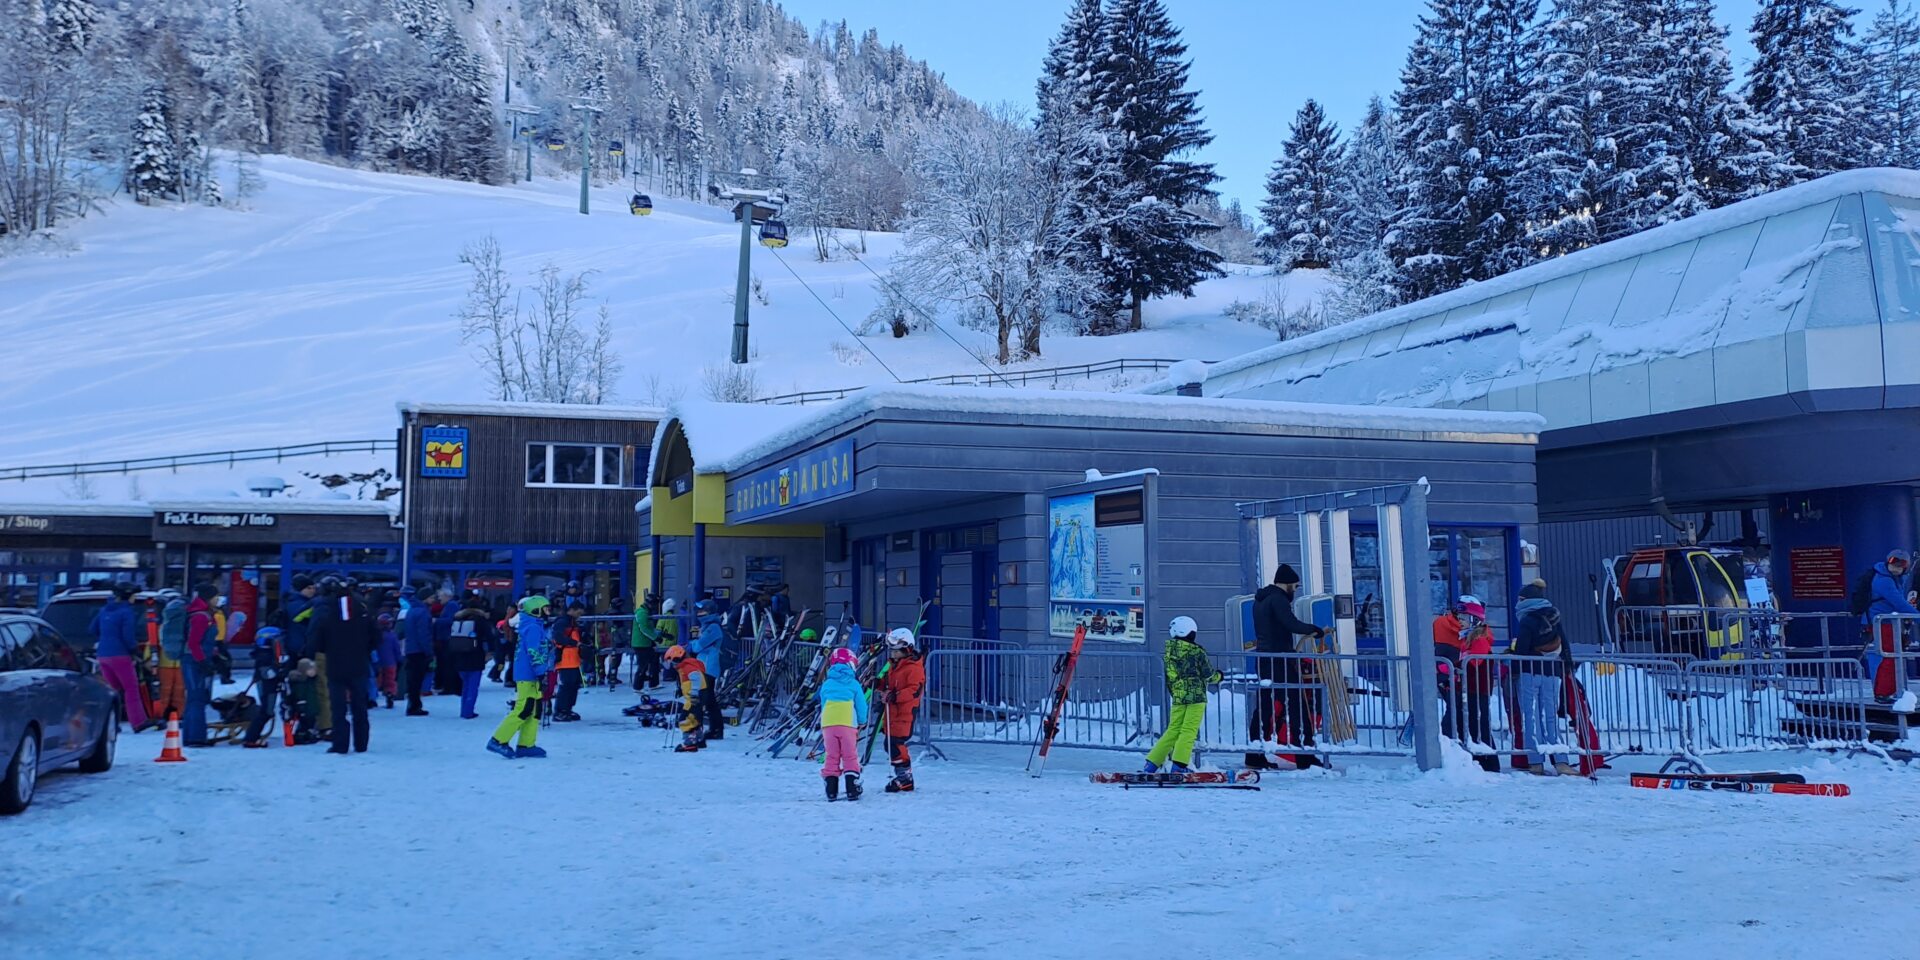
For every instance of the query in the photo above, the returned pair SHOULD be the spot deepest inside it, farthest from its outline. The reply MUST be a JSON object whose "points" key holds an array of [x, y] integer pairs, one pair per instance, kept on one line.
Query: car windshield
{"points": [[71, 618]]}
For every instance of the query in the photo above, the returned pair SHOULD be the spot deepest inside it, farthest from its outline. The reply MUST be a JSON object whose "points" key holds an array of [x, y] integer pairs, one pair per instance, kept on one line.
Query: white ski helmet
{"points": [[1182, 627], [900, 638], [668, 606]]}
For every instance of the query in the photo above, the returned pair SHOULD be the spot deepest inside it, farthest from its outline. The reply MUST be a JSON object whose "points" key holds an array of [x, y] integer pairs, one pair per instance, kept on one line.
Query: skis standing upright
{"points": [[1050, 727]]}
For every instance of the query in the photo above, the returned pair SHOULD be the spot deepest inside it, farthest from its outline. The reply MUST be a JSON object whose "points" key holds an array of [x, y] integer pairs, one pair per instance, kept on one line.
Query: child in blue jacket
{"points": [[843, 710]]}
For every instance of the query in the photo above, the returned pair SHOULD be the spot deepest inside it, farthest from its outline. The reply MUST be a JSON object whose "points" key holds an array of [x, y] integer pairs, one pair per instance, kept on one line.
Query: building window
{"points": [[575, 465]]}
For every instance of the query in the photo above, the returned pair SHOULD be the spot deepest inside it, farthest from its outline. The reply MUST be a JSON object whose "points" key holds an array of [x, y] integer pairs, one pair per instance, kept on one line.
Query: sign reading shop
{"points": [[194, 518], [804, 480]]}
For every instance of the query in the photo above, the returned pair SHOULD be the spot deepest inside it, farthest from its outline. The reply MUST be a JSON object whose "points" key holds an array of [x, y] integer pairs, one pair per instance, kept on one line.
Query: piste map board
{"points": [[1096, 565]]}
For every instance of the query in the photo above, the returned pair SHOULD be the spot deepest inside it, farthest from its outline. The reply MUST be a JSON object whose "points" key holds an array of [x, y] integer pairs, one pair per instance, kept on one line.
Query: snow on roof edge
{"points": [[136, 508], [1890, 180], [79, 508], [498, 408], [1464, 424]]}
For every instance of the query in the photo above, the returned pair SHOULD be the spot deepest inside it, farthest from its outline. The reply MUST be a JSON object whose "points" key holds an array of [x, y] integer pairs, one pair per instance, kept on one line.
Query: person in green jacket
{"points": [[645, 638], [1189, 673]]}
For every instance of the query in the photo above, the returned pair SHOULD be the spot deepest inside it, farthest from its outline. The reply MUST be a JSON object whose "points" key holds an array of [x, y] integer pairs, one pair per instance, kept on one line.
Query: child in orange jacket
{"points": [[900, 690]]}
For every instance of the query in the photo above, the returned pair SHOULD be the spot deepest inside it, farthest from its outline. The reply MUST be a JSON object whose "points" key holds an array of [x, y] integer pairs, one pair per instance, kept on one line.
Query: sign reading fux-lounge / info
{"points": [[813, 477], [190, 518]]}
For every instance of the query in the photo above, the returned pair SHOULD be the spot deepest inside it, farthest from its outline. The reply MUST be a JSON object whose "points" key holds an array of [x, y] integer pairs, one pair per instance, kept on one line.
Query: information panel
{"points": [[1096, 565]]}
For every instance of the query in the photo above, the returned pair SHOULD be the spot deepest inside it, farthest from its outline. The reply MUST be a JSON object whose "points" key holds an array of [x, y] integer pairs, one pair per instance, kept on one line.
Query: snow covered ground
{"points": [[429, 847], [181, 329]]}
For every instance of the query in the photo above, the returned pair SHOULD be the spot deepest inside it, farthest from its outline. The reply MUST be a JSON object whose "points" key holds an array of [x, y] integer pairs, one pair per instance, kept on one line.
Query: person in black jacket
{"points": [[1538, 634], [1274, 627], [344, 631]]}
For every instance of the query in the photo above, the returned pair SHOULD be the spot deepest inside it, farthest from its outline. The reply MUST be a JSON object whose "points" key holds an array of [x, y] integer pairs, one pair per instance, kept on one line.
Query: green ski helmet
{"points": [[809, 635], [535, 604]]}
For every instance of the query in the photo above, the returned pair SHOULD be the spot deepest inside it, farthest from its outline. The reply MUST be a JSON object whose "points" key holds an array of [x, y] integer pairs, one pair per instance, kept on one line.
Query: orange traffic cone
{"points": [[170, 747]]}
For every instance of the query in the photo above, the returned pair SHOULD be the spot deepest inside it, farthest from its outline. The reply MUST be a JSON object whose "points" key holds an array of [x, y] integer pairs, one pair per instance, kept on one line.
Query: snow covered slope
{"points": [[181, 329]]}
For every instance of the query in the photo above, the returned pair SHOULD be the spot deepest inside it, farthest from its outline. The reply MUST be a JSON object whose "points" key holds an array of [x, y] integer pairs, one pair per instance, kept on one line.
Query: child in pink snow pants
{"points": [[843, 710]]}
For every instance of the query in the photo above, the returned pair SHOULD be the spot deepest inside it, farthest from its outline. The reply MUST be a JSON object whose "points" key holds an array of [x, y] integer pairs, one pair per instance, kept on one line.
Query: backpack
{"points": [[464, 638], [173, 629], [1861, 599]]}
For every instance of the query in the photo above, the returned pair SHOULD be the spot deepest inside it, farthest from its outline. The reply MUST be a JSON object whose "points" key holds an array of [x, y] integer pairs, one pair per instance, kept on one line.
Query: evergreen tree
{"points": [[1717, 144], [1805, 85], [153, 167], [70, 25], [1078, 146], [1301, 211], [1573, 164], [1892, 66], [1142, 84], [1456, 113], [1372, 179]]}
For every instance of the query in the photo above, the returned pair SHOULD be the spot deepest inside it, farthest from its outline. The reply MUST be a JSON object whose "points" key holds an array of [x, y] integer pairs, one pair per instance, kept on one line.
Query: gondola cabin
{"points": [[773, 234], [640, 205], [556, 143], [616, 149], [1685, 600]]}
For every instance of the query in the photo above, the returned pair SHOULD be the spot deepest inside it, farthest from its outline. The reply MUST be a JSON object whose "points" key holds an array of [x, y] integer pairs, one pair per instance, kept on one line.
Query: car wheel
{"points": [[16, 788], [101, 759]]}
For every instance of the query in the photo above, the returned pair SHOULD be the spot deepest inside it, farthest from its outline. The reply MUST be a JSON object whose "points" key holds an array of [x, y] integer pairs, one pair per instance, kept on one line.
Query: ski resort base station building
{"points": [[866, 508]]}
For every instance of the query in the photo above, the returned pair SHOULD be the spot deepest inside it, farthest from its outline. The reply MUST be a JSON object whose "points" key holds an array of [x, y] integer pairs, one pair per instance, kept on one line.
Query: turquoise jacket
{"points": [[843, 703]]}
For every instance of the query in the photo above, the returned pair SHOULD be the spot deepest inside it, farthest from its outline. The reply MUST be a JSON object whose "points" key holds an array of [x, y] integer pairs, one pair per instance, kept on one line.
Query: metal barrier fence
{"points": [[1675, 707], [1896, 638], [1119, 701], [1714, 633]]}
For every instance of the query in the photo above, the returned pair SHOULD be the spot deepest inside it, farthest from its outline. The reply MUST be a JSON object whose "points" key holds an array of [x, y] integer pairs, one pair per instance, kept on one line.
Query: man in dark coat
{"points": [[344, 631], [1274, 627]]}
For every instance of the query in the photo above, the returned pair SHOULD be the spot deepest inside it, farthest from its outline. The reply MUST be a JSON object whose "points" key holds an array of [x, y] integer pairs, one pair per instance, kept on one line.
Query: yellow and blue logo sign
{"points": [[812, 477], [443, 452]]}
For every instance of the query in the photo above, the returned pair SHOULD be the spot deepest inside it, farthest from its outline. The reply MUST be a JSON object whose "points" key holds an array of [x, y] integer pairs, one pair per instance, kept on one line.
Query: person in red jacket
{"points": [[196, 666], [1461, 641], [900, 690]]}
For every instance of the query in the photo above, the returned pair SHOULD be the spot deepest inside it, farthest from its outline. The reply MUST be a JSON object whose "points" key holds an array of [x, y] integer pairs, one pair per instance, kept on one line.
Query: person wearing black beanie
{"points": [[1274, 627]]}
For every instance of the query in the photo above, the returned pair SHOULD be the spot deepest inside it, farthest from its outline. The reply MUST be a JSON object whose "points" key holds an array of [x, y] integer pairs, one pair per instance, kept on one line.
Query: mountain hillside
{"points": [[182, 328]]}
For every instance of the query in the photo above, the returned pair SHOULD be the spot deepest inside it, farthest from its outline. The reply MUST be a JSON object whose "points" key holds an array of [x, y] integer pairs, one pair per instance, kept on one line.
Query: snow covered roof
{"points": [[281, 505], [79, 508], [568, 411], [1692, 314], [740, 435]]}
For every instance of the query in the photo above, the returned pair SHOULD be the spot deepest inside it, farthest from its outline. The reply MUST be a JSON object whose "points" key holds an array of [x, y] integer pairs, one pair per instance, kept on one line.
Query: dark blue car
{"points": [[54, 710]]}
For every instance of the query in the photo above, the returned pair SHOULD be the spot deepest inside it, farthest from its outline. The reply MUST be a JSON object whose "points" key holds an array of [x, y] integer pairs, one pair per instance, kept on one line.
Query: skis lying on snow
{"points": [[1734, 783], [1244, 779]]}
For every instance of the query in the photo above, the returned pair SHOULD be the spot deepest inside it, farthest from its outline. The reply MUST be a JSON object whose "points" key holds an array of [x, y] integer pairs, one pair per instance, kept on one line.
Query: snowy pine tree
{"points": [[1142, 84], [1571, 172], [1372, 179], [153, 166], [1892, 69], [70, 24], [1080, 157], [1804, 84], [1716, 144], [1302, 210], [1458, 223]]}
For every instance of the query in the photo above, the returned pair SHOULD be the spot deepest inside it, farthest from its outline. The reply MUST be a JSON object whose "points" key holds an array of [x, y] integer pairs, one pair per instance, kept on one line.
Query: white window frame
{"points": [[599, 465]]}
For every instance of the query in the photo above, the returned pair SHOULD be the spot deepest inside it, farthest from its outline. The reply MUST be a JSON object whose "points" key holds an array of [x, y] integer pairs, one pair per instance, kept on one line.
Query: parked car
{"points": [[71, 612], [54, 710]]}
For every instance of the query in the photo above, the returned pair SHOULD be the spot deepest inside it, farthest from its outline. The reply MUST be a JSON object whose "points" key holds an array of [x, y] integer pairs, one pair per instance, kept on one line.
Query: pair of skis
{"points": [[1050, 726], [1204, 779], [1788, 783]]}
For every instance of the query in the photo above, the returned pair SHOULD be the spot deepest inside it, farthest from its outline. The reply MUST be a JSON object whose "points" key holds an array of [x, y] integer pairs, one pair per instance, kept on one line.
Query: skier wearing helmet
{"points": [[699, 709], [531, 660], [900, 688], [1189, 673], [843, 710]]}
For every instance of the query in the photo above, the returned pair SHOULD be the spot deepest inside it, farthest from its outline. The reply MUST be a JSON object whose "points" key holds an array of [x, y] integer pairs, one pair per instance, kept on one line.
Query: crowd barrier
{"points": [[1673, 707], [1719, 633]]}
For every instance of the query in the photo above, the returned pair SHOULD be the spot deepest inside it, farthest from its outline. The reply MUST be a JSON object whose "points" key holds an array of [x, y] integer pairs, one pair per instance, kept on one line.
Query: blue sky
{"points": [[1254, 61]]}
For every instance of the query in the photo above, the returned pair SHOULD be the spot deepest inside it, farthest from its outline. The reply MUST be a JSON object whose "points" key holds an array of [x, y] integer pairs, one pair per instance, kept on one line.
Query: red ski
{"points": [[1179, 779], [1050, 727], [1580, 718], [1654, 781]]}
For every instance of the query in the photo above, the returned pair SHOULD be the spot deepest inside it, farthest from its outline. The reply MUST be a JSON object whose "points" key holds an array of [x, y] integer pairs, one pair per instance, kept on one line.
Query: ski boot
{"points": [[1179, 767], [533, 752], [853, 786], [1150, 767], [901, 783], [502, 749], [1257, 761], [833, 787]]}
